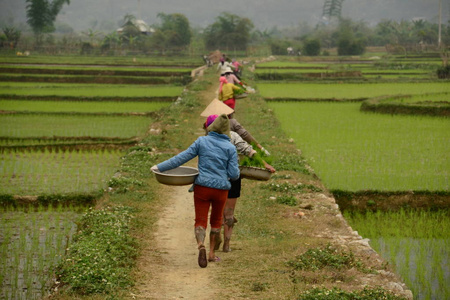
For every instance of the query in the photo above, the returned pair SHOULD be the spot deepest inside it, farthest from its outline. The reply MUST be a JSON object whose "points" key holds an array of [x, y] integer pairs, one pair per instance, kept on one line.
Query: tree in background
{"points": [[311, 47], [41, 14], [12, 36], [176, 30], [351, 38], [229, 32]]}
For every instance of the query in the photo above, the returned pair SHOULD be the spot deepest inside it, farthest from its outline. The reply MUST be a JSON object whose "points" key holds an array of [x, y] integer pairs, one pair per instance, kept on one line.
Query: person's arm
{"points": [[269, 167], [180, 158], [243, 133], [233, 166], [236, 88], [242, 146]]}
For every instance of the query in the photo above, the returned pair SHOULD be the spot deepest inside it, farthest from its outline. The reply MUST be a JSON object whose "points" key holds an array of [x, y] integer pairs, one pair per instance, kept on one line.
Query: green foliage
{"points": [[257, 160], [351, 41], [443, 72], [287, 200], [279, 46], [102, 254], [12, 36], [348, 46], [319, 258], [42, 13], [291, 188], [228, 32], [176, 30], [7, 200], [367, 293], [291, 162], [311, 47]]}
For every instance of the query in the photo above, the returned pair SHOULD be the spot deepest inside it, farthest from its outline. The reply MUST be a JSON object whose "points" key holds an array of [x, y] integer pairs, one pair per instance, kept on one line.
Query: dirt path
{"points": [[169, 268], [176, 275]]}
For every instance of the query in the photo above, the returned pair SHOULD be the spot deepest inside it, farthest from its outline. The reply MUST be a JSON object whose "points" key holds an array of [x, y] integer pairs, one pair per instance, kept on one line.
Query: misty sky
{"points": [[265, 14]]}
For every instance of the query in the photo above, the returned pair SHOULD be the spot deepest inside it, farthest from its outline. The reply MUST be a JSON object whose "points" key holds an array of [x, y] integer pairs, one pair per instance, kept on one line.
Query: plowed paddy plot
{"points": [[35, 173]]}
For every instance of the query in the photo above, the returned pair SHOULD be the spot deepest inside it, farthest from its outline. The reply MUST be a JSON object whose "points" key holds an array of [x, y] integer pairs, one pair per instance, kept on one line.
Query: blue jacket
{"points": [[217, 161]]}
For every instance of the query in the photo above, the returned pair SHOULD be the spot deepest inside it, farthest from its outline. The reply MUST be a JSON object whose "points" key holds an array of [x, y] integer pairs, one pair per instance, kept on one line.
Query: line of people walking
{"points": [[218, 184]]}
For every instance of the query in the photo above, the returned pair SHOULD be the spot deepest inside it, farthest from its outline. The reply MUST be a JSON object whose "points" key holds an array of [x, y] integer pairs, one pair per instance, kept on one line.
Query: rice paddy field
{"points": [[20, 125], [353, 151], [62, 138], [417, 244], [32, 243], [81, 107], [56, 171], [348, 91], [87, 90], [191, 62], [372, 68]]}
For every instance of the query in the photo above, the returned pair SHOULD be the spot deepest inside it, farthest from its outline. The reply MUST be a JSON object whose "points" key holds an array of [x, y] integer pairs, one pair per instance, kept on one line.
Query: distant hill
{"points": [[265, 14]]}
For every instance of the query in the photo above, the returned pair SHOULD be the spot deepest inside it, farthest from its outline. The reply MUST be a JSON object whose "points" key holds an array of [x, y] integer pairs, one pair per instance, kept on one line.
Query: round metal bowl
{"points": [[241, 96], [255, 173], [178, 176]]}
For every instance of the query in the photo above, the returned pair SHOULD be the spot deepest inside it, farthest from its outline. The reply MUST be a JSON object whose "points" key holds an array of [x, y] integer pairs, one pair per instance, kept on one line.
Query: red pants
{"points": [[205, 197], [230, 102]]}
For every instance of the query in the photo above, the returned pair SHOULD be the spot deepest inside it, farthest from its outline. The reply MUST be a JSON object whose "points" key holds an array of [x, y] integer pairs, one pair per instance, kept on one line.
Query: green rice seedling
{"points": [[347, 91], [77, 107], [29, 253], [73, 126], [95, 61], [58, 173], [98, 70], [409, 241], [351, 150], [88, 90]]}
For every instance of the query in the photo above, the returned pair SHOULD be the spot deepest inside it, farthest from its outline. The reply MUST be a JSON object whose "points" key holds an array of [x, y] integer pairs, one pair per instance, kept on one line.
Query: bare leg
{"points": [[214, 237], [229, 223], [200, 234]]}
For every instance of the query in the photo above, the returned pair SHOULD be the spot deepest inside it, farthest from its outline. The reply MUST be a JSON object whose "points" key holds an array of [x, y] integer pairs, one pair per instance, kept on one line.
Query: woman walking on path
{"points": [[226, 92], [217, 165], [234, 193]]}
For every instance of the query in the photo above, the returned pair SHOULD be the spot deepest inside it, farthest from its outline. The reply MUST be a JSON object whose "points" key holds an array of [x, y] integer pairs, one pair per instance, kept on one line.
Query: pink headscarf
{"points": [[222, 80], [210, 119]]}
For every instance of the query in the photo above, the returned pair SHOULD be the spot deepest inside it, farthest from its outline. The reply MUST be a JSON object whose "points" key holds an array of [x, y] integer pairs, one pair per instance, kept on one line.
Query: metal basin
{"points": [[255, 173], [178, 176]]}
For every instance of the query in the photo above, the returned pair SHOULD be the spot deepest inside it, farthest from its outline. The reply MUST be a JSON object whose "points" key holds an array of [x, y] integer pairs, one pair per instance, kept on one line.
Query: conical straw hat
{"points": [[216, 107]]}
